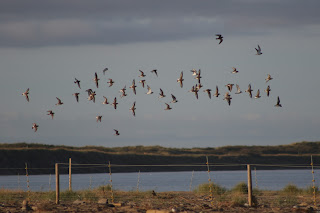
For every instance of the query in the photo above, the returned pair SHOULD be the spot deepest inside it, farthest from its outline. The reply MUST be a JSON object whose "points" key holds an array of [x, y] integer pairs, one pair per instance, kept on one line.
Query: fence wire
{"points": [[273, 185]]}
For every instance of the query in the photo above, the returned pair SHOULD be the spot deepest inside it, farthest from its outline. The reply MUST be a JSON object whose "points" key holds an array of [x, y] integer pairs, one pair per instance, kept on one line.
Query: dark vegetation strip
{"points": [[41, 158]]}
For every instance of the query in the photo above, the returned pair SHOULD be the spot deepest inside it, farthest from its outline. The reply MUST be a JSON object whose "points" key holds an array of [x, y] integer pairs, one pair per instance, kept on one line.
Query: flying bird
{"points": [[35, 127], [89, 91], [142, 82], [161, 94], [142, 75], [105, 100], [229, 86], [115, 103], [26, 93], [133, 109], [278, 103], [59, 101], [268, 78], [219, 37], [217, 92], [249, 90], [258, 94], [180, 79], [174, 99], [258, 50], [149, 90], [133, 86], [99, 118], [76, 95], [155, 72], [51, 113], [92, 97], [208, 91], [104, 70], [168, 107], [194, 72], [198, 77], [123, 91], [116, 132], [268, 90], [96, 79], [238, 89], [227, 97], [234, 70], [76, 81], [110, 82]]}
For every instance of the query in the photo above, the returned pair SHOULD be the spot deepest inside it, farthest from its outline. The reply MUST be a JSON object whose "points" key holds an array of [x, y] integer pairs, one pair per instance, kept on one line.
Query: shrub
{"points": [[216, 189], [241, 187], [291, 189]]}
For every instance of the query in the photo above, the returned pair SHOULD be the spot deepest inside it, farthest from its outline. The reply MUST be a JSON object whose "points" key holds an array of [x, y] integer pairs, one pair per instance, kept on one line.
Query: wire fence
{"points": [[273, 185]]}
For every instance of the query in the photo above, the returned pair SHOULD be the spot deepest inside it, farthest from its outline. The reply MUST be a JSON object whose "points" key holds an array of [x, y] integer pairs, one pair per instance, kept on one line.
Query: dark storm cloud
{"points": [[73, 22]]}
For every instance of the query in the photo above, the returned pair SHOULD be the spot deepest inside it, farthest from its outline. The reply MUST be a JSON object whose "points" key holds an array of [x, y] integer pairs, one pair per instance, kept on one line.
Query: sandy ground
{"points": [[159, 202]]}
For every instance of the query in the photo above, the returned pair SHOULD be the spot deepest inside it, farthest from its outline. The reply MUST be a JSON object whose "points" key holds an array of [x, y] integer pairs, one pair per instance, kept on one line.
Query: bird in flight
{"points": [[116, 132], [229, 86], [258, 50], [149, 90], [219, 37], [217, 92], [133, 86], [76, 95], [76, 81], [268, 90], [238, 89], [96, 79], [35, 127], [168, 107], [51, 113], [110, 82], [227, 97], [142, 75], [249, 90], [155, 72], [105, 100], [115, 103], [258, 94], [268, 78], [142, 82], [234, 70], [104, 70], [174, 99], [161, 94], [180, 79], [99, 118], [278, 103], [133, 109], [208, 91], [26, 93], [59, 101]]}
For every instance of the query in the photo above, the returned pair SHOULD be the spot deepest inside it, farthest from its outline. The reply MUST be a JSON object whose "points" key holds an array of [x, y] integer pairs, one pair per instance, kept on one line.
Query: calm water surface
{"points": [[163, 181]]}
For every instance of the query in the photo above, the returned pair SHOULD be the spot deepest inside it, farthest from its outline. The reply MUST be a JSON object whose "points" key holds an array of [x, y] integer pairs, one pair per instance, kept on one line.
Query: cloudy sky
{"points": [[44, 45]]}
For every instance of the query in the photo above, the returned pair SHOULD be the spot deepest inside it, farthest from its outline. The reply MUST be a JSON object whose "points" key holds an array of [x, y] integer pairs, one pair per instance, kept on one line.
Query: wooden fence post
{"points": [[70, 186], [249, 185], [57, 184]]}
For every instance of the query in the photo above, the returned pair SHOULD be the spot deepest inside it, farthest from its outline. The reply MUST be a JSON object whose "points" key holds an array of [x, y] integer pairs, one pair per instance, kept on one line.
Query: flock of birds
{"points": [[195, 89]]}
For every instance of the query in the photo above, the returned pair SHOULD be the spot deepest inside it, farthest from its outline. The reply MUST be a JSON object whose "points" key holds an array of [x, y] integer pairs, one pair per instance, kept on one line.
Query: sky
{"points": [[45, 45]]}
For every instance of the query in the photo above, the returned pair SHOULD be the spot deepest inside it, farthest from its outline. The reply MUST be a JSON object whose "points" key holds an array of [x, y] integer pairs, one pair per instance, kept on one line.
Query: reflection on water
{"points": [[162, 181]]}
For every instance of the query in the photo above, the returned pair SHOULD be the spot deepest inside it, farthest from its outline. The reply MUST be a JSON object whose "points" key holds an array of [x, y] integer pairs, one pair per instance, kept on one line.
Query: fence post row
{"points": [[249, 185]]}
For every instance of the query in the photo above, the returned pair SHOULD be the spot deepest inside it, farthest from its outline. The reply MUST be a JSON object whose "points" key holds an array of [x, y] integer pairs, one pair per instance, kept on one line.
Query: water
{"points": [[163, 181]]}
